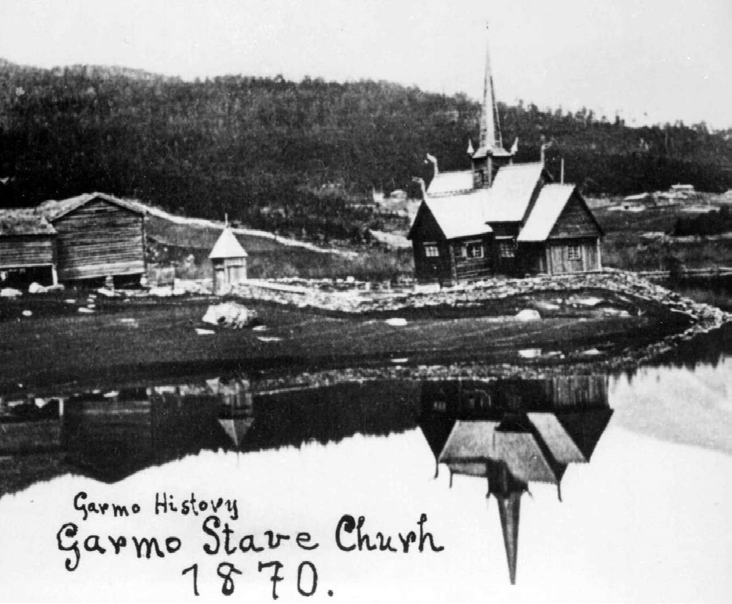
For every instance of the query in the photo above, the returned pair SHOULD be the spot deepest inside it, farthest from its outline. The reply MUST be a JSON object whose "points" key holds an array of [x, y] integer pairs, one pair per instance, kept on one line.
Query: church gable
{"points": [[575, 221], [425, 227]]}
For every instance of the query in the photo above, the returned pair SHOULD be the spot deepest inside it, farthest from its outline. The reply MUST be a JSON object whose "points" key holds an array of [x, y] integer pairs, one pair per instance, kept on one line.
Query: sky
{"points": [[652, 61]]}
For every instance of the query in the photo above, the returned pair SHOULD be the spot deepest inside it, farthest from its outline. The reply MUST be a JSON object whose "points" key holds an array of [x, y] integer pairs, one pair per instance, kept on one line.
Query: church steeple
{"points": [[490, 155], [490, 130]]}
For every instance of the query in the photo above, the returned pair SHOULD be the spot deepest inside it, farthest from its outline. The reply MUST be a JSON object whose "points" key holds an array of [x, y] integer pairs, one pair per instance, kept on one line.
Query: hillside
{"points": [[299, 159]]}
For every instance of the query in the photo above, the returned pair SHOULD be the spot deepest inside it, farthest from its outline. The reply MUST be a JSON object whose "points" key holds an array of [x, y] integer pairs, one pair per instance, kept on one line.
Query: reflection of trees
{"points": [[113, 437], [705, 349]]}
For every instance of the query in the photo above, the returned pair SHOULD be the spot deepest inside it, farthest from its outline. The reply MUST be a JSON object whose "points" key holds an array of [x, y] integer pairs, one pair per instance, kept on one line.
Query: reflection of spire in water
{"points": [[507, 491], [514, 432]]}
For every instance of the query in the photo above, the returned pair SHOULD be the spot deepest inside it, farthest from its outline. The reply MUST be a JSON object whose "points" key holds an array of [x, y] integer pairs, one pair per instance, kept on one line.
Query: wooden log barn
{"points": [[501, 218], [86, 237], [27, 248]]}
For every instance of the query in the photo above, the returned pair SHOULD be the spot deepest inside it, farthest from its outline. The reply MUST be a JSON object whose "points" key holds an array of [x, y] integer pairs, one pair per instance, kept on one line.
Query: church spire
{"points": [[490, 130]]}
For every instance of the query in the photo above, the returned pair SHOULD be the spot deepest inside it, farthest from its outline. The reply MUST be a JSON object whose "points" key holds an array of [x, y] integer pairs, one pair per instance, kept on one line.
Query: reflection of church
{"points": [[514, 432], [508, 432]]}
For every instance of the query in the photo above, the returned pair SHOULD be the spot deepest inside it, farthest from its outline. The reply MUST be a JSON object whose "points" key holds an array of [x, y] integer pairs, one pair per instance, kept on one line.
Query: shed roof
{"points": [[53, 210], [227, 246], [551, 201], [460, 215], [24, 221], [451, 182], [509, 197]]}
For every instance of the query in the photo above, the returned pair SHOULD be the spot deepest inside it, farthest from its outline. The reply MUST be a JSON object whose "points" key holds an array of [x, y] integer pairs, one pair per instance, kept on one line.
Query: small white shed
{"points": [[229, 261]]}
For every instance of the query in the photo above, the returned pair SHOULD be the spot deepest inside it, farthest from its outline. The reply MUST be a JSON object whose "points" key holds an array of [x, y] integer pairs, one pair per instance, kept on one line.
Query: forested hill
{"points": [[258, 147]]}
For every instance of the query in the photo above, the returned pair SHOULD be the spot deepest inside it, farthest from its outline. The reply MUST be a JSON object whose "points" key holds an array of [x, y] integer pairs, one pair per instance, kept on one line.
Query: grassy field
{"points": [[143, 339], [624, 247], [187, 247]]}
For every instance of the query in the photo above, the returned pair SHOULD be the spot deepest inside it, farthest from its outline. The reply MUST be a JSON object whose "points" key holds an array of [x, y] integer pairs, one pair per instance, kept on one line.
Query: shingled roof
{"points": [[549, 205], [509, 197], [25, 221], [460, 215], [446, 183]]}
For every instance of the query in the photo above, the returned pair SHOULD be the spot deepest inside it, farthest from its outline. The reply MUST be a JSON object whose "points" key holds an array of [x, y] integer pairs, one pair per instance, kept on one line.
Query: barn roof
{"points": [[552, 200], [509, 197], [460, 215], [227, 246], [25, 221], [53, 210], [451, 182]]}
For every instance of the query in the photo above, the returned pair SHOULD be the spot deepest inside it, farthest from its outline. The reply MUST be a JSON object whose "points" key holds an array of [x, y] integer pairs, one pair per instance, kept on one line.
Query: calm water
{"points": [[584, 488]]}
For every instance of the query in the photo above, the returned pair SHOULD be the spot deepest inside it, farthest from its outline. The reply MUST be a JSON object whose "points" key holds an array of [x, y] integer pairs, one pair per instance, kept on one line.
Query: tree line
{"points": [[295, 156]]}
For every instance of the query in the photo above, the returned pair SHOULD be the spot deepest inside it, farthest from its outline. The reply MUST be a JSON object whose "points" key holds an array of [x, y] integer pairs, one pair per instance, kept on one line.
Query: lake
{"points": [[576, 488]]}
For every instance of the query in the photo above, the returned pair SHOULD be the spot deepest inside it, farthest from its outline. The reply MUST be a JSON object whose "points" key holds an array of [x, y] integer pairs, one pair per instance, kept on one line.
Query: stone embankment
{"points": [[622, 285], [360, 299]]}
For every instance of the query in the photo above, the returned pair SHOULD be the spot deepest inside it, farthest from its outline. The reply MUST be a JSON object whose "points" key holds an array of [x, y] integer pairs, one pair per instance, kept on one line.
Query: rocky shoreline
{"points": [[704, 318]]}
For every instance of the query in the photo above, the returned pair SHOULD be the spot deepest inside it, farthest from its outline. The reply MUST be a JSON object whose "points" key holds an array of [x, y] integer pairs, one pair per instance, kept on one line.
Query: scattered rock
{"points": [[229, 314], [161, 292], [70, 301], [542, 305], [591, 301], [204, 332], [528, 314], [591, 352], [86, 310], [59, 287], [396, 322], [107, 293], [530, 353], [27, 313], [269, 339], [259, 328], [615, 312], [36, 288], [9, 292]]}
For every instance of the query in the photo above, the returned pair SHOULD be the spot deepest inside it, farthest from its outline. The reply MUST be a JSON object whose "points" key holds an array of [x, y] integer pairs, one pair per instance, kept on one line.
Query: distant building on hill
{"points": [[499, 218]]}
